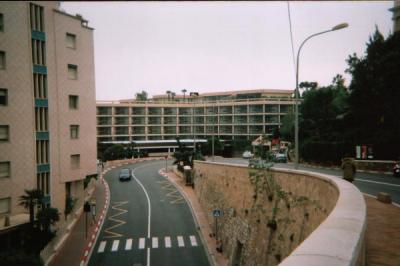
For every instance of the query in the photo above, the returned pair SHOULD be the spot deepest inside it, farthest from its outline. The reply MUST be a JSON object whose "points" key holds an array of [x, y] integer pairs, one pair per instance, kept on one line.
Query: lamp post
{"points": [[296, 128]]}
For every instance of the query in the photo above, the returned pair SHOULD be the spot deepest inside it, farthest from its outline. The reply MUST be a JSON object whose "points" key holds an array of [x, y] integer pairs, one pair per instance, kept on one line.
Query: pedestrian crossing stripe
{"points": [[141, 243]]}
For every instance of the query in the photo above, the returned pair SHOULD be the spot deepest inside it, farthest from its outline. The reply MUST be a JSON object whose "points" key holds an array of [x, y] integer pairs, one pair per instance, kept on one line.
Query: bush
{"points": [[324, 152]]}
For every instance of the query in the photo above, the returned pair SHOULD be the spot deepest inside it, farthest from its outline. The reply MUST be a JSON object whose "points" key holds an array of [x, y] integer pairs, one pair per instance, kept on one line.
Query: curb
{"points": [[95, 234], [358, 171]]}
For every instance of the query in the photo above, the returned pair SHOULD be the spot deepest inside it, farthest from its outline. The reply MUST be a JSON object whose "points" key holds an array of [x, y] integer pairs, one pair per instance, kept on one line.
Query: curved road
{"points": [[367, 183], [148, 222]]}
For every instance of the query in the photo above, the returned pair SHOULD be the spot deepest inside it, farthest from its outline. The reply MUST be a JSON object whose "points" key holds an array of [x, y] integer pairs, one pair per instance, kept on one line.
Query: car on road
{"points": [[280, 158], [247, 155], [125, 174]]}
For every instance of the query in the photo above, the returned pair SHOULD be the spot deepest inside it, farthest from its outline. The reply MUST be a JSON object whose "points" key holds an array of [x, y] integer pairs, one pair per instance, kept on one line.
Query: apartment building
{"points": [[47, 104], [230, 115]]}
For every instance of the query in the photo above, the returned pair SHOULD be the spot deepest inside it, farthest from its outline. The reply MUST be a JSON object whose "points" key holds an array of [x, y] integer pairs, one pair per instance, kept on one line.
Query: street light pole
{"points": [[296, 127]]}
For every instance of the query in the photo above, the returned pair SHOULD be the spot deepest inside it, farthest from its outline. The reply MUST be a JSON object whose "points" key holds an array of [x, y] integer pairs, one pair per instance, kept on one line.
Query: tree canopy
{"points": [[141, 96]]}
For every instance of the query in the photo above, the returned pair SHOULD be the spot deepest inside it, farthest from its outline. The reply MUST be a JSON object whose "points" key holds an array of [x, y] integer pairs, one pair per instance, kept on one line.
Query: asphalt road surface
{"points": [[148, 222], [367, 183]]}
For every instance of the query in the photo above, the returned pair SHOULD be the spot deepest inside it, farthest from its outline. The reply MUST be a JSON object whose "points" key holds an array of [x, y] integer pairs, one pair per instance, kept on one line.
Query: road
{"points": [[367, 183], [147, 223]]}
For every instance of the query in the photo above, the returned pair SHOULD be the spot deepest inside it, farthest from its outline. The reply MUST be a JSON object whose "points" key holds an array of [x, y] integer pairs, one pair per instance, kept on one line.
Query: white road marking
{"points": [[115, 245], [180, 241], [167, 242], [155, 242], [193, 241], [148, 256], [141, 243], [128, 244], [102, 246], [376, 182]]}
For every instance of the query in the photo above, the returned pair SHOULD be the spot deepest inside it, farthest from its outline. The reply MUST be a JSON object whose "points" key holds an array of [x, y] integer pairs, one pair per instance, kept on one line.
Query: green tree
{"points": [[31, 198], [114, 152], [183, 156], [141, 96], [374, 108], [287, 127], [46, 217]]}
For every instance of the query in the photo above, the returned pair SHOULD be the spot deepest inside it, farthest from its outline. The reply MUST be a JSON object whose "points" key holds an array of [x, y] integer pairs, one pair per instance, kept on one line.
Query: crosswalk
{"points": [[143, 243]]}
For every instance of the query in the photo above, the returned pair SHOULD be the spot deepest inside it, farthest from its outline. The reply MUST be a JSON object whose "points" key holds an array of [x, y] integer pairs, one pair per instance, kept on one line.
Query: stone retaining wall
{"points": [[267, 214]]}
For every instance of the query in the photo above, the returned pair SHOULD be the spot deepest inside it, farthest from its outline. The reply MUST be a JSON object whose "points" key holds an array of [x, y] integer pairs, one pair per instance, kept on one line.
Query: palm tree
{"points": [[29, 200], [169, 94], [184, 93]]}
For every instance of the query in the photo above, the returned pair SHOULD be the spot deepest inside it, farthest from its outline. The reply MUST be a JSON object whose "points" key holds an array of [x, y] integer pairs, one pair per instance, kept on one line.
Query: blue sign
{"points": [[217, 213]]}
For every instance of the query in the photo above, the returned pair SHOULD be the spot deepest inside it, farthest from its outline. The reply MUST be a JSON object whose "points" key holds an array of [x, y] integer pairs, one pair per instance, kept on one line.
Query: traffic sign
{"points": [[217, 212]]}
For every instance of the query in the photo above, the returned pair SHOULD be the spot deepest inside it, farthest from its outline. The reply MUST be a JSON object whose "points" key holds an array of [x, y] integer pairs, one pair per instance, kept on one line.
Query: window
{"points": [[38, 52], [2, 60], [3, 97], [72, 71], [1, 22], [41, 118], [74, 131], [4, 169], [71, 40], [75, 161], [4, 133], [5, 204], [37, 17], [43, 182], [42, 151], [40, 86], [73, 102]]}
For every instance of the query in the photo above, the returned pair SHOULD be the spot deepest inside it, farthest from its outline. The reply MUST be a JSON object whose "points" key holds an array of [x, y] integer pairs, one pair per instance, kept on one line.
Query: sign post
{"points": [[86, 209], [216, 213], [166, 161]]}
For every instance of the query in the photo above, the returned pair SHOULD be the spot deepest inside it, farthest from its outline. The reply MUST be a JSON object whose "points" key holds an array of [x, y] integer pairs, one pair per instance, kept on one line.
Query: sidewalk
{"points": [[202, 223], [72, 250]]}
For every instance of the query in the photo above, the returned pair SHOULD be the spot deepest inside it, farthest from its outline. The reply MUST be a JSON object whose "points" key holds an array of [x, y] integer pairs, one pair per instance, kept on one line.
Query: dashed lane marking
{"points": [[142, 243], [128, 244], [181, 243], [154, 242], [167, 242], [115, 245], [193, 241], [102, 246]]}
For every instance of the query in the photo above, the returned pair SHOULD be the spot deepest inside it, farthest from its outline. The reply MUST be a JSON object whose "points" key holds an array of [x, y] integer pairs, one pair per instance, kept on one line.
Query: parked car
{"points": [[125, 174], [280, 158], [247, 155]]}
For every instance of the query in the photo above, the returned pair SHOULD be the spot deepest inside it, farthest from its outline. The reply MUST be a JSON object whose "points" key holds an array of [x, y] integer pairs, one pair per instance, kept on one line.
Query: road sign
{"points": [[217, 213]]}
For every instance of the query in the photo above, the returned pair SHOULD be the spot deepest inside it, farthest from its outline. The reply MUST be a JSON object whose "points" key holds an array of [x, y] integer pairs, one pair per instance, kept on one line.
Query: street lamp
{"points": [[296, 126]]}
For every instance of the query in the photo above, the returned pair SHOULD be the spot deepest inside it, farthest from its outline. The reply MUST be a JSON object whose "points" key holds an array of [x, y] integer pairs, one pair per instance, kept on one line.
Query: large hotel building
{"points": [[47, 105], [152, 124]]}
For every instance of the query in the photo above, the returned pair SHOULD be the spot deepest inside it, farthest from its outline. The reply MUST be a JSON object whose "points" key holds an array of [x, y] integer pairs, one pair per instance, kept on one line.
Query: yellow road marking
{"points": [[118, 222], [172, 193]]}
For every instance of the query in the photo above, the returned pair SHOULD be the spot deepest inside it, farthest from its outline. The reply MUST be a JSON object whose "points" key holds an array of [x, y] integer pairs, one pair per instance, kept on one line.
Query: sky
{"points": [[221, 46]]}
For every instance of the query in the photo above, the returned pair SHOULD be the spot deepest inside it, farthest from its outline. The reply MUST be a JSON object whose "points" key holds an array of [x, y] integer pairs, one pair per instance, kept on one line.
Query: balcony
{"points": [[104, 111], [154, 120], [198, 129], [255, 119], [286, 108], [225, 130], [199, 111], [121, 131], [119, 138], [225, 120], [269, 108], [103, 121], [138, 120], [154, 130], [225, 110], [169, 130], [169, 120], [154, 110], [138, 111], [240, 119], [185, 130], [169, 111], [256, 130], [199, 120], [241, 109], [121, 111], [138, 130], [211, 120], [185, 111], [103, 131], [255, 109], [185, 120], [121, 120], [240, 129], [271, 119]]}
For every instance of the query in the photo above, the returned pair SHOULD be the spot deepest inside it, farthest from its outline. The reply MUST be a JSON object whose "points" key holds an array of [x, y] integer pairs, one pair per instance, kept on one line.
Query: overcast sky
{"points": [[219, 46]]}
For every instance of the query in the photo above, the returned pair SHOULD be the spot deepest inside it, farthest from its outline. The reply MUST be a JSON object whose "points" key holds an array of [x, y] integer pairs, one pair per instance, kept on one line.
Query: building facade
{"points": [[47, 104], [227, 116]]}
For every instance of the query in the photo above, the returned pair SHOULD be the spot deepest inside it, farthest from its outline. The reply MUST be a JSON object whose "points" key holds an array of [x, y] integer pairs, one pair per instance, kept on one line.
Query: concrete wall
{"points": [[297, 202]]}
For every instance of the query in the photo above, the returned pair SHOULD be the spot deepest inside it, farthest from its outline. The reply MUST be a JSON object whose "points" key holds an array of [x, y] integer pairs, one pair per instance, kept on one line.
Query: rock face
{"points": [[266, 213]]}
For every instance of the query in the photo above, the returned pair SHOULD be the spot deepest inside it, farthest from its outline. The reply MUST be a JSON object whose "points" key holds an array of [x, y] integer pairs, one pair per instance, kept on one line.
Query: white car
{"points": [[247, 155]]}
